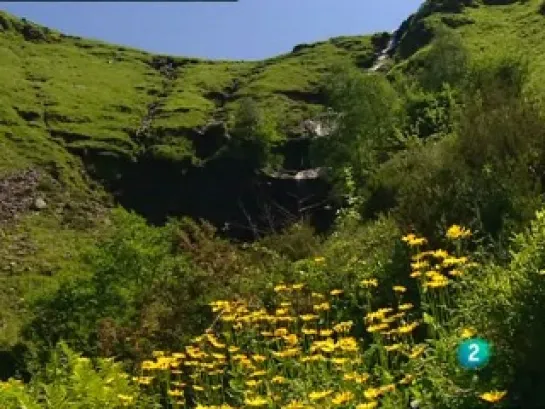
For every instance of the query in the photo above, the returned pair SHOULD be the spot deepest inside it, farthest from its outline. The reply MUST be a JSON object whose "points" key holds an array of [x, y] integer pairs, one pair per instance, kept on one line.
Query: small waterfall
{"points": [[385, 53]]}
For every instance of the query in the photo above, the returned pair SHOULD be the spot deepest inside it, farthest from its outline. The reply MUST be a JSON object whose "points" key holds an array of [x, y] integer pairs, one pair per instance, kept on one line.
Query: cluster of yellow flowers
{"points": [[264, 355], [294, 356]]}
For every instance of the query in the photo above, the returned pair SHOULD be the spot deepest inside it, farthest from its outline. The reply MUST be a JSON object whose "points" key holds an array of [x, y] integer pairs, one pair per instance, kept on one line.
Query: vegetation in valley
{"points": [[118, 289]]}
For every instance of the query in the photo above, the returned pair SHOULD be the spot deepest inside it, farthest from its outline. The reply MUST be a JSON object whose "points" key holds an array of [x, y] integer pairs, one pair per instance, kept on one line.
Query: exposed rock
{"points": [[40, 203], [17, 193], [305, 174], [322, 125]]}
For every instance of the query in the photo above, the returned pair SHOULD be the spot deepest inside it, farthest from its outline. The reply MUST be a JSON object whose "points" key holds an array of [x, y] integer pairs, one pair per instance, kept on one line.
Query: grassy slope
{"points": [[62, 96], [491, 30]]}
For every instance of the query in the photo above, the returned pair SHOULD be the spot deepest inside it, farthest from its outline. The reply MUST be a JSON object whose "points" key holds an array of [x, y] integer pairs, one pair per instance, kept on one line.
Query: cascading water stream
{"points": [[385, 53]]}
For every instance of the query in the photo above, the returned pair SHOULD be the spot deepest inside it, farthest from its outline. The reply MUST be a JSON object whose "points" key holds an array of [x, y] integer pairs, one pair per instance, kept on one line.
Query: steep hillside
{"points": [[488, 28], [83, 123], [130, 115]]}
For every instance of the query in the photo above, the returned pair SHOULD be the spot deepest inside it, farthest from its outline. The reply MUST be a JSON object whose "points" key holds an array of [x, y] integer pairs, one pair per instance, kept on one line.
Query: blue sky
{"points": [[247, 29]]}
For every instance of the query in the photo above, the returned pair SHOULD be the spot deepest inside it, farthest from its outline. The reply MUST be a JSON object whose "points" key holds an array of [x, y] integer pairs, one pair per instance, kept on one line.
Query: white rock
{"points": [[40, 203]]}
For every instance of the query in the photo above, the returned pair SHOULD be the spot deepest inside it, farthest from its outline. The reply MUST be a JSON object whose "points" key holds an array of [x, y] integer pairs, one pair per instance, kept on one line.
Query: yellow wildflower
{"points": [[325, 306], [309, 331], [399, 289], [175, 392], [419, 265], [342, 397], [280, 332], [372, 282], [379, 327], [313, 396], [440, 254], [343, 327], [407, 328], [456, 273], [457, 232], [339, 361], [394, 347], [279, 288], [278, 379], [405, 307], [371, 393], [493, 396], [468, 332], [417, 241], [259, 358], [336, 292], [417, 351], [256, 401], [347, 344], [309, 317], [368, 405]]}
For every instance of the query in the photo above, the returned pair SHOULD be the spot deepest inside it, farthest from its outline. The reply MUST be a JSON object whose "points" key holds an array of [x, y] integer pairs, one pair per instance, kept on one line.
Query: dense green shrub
{"points": [[366, 131], [254, 134], [149, 288], [509, 303], [70, 379], [447, 61], [487, 172]]}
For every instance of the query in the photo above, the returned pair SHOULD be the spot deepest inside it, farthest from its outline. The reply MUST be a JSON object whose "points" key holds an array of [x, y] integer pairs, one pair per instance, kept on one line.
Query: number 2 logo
{"points": [[474, 352]]}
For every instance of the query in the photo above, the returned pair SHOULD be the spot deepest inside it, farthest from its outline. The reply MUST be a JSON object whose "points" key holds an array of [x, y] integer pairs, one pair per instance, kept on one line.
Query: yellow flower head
{"points": [[373, 282], [456, 232], [468, 332], [342, 398], [317, 395], [493, 396], [368, 405], [405, 307]]}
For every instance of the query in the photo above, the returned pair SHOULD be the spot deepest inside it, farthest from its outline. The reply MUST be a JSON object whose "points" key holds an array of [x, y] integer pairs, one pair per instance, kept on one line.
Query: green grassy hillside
{"points": [[449, 130], [68, 104], [487, 28]]}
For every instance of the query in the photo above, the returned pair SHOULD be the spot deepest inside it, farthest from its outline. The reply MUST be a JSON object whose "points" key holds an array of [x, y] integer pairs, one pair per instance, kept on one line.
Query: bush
{"points": [[366, 130], [542, 8], [148, 290], [510, 302], [487, 172], [72, 380], [446, 62]]}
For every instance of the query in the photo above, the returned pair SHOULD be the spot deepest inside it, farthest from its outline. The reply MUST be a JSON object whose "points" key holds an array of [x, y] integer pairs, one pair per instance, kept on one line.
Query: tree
{"points": [[254, 134], [366, 128], [446, 62]]}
